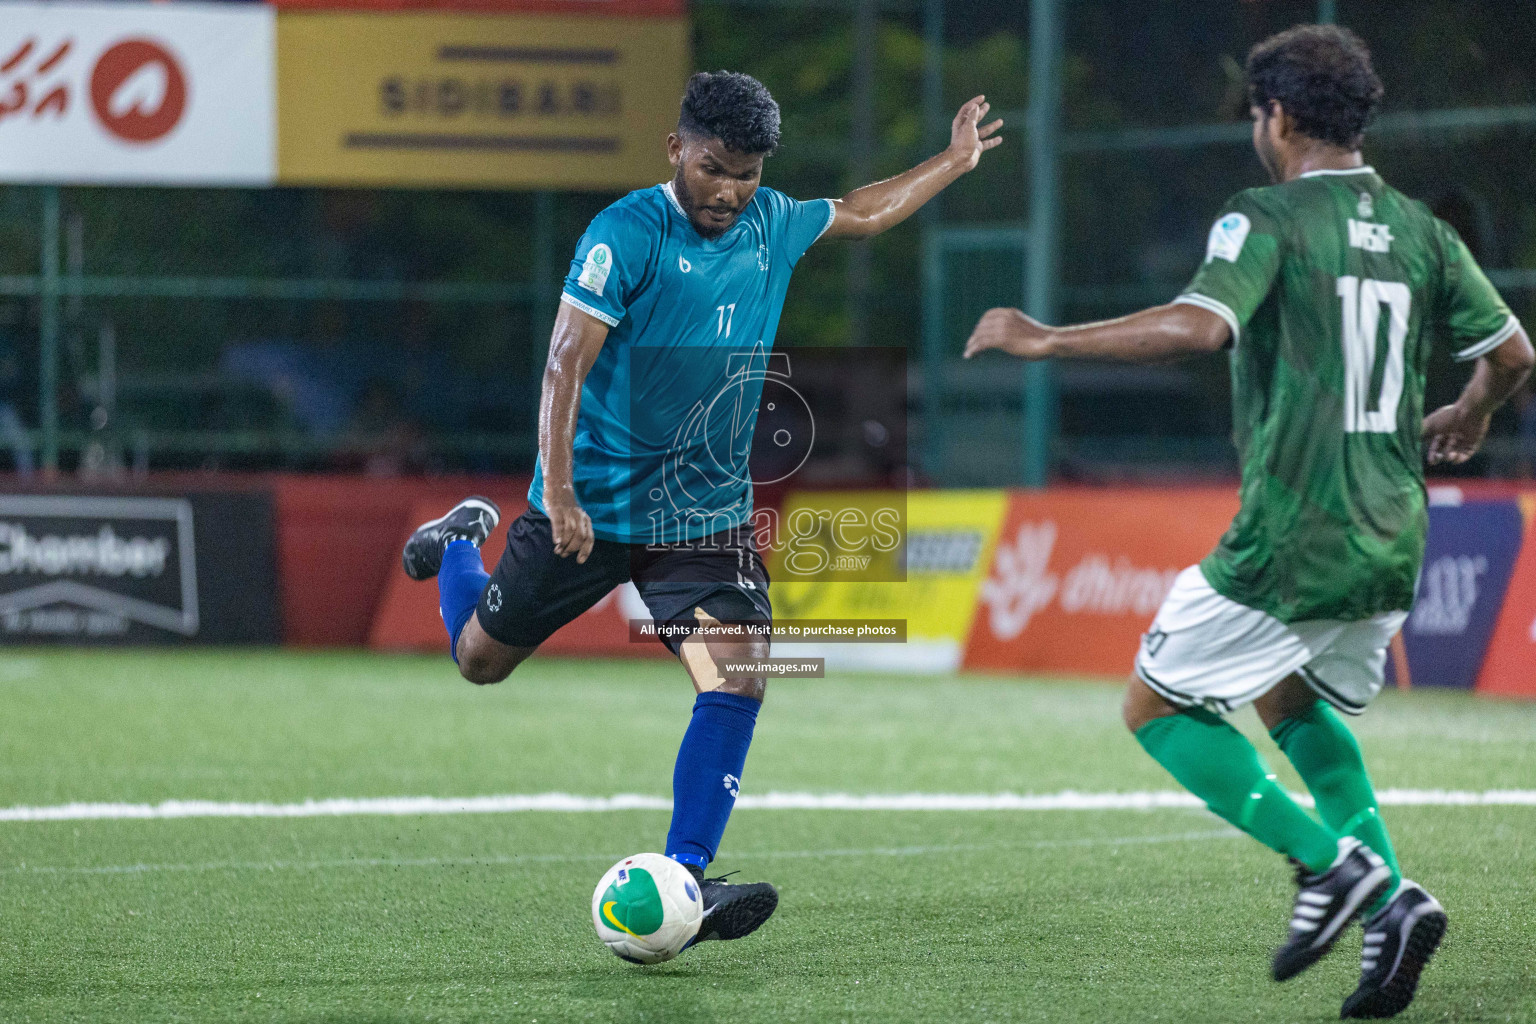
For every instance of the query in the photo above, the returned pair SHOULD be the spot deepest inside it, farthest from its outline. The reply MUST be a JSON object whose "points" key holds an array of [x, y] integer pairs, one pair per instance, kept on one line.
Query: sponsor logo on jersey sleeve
{"points": [[1227, 237], [594, 272]]}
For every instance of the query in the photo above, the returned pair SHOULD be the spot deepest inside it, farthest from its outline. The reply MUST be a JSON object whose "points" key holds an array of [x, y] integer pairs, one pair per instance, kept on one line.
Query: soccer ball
{"points": [[647, 908]]}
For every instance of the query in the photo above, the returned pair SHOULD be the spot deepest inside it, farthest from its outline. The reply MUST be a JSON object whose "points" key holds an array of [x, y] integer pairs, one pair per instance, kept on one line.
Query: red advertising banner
{"points": [[1509, 669], [599, 8], [1078, 576], [339, 541], [408, 619]]}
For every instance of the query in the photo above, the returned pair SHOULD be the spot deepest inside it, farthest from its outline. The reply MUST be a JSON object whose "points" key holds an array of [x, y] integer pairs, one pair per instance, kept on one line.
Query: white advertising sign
{"points": [[174, 94]]}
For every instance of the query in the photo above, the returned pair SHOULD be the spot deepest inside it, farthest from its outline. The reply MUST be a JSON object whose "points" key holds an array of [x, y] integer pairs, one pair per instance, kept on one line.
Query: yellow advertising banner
{"points": [[949, 543], [496, 101]]}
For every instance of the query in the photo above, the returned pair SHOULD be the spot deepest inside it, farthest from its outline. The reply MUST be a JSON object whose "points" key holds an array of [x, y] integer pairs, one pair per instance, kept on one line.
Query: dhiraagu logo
{"points": [[594, 271], [632, 903]]}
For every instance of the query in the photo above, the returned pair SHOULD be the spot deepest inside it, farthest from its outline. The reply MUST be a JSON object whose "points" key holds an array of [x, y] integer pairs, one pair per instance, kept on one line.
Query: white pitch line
{"points": [[1067, 800], [340, 807], [607, 858]]}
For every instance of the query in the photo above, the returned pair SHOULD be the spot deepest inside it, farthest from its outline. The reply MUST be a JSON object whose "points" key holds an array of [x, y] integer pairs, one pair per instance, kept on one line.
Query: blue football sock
{"points": [[708, 774], [460, 582]]}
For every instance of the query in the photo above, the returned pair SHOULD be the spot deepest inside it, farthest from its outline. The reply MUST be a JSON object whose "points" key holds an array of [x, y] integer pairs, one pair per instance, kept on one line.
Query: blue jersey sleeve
{"points": [[797, 224], [610, 261]]}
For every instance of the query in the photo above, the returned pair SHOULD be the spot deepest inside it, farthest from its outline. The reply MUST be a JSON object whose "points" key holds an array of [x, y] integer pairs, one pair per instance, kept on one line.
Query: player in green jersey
{"points": [[1330, 289]]}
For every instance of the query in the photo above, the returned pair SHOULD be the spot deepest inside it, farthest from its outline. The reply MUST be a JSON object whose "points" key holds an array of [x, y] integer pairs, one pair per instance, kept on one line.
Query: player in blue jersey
{"points": [[654, 376]]}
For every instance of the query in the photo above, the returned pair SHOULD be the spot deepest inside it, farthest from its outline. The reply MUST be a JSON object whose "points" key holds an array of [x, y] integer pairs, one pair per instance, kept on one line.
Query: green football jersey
{"points": [[1336, 287]]}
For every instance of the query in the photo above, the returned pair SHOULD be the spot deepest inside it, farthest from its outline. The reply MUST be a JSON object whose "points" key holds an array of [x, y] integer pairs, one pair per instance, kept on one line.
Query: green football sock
{"points": [[1217, 763], [1328, 760]]}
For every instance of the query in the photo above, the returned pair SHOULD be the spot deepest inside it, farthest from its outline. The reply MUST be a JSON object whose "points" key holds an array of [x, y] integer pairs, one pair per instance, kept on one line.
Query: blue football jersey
{"points": [[668, 409]]}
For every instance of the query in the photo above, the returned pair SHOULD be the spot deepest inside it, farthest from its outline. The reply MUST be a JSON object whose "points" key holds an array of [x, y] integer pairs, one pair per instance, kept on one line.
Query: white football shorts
{"points": [[1205, 650]]}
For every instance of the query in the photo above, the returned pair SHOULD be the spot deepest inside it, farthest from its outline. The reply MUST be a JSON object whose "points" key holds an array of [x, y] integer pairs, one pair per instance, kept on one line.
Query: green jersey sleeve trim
{"points": [[1216, 306], [1243, 256], [597, 314], [1491, 342]]}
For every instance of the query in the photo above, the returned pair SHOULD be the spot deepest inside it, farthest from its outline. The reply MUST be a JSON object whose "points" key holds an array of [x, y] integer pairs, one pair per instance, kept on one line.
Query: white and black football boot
{"points": [[1327, 903], [1399, 940], [472, 519], [732, 910]]}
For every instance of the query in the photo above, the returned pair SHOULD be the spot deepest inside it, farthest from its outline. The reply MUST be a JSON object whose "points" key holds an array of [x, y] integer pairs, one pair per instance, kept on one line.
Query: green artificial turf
{"points": [[1101, 916]]}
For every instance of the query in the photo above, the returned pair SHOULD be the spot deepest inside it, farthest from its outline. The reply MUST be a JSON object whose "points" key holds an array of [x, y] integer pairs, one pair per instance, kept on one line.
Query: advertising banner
{"points": [[949, 545], [169, 94], [1467, 564], [196, 568], [338, 549], [427, 99], [1509, 669], [599, 8], [1059, 582], [1078, 576]]}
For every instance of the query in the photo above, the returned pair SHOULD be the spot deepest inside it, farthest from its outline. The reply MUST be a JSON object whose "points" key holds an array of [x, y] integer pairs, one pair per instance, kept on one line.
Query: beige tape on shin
{"points": [[696, 657]]}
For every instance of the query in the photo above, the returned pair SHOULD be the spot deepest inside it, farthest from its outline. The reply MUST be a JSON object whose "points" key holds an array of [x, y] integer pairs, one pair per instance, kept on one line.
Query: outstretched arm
{"points": [[573, 348], [1455, 431], [868, 211], [1156, 335]]}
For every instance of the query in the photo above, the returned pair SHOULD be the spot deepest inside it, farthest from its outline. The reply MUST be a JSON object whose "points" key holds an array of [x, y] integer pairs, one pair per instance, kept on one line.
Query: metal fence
{"points": [[180, 348]]}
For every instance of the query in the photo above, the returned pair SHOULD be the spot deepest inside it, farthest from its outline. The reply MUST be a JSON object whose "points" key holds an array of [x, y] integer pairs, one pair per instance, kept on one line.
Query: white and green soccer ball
{"points": [[647, 908]]}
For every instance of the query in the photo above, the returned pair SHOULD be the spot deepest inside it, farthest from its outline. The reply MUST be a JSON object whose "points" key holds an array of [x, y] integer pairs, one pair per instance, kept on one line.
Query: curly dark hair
{"points": [[1322, 76], [737, 109]]}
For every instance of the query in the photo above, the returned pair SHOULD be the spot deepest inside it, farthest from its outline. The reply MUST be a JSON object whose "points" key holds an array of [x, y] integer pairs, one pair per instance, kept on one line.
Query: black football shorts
{"points": [[533, 591]]}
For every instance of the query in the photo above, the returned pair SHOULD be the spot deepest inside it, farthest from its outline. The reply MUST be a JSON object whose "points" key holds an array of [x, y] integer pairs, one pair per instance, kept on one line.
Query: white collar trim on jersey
{"points": [[672, 197], [1367, 169]]}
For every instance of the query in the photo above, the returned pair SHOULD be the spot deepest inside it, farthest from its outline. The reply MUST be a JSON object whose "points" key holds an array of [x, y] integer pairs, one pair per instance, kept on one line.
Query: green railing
{"points": [[53, 285], [1041, 290]]}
